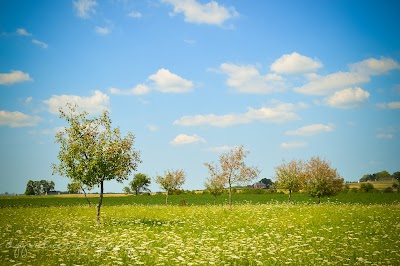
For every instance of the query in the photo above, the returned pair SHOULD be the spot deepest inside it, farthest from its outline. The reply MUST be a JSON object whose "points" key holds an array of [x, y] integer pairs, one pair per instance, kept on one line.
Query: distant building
{"points": [[259, 185]]}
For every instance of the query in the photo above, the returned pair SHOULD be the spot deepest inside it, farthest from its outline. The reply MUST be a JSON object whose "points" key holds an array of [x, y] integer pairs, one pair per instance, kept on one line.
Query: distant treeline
{"points": [[380, 176]]}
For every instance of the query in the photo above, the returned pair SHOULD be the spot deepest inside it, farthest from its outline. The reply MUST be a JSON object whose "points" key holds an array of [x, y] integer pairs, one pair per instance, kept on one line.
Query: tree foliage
{"points": [[39, 187], [290, 176], [92, 152], [232, 169], [215, 185], [321, 179], [379, 176], [140, 183], [172, 180]]}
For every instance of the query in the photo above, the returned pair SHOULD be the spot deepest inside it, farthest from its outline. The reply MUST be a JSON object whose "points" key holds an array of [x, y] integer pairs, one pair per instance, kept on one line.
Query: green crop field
{"points": [[349, 229]]}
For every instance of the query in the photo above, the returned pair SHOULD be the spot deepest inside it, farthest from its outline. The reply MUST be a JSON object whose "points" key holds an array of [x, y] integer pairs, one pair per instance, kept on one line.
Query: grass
{"points": [[349, 229], [192, 199]]}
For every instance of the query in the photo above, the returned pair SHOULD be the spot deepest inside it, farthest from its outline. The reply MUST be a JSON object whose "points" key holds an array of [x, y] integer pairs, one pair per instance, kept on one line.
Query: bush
{"points": [[388, 190], [367, 187], [247, 190], [354, 190]]}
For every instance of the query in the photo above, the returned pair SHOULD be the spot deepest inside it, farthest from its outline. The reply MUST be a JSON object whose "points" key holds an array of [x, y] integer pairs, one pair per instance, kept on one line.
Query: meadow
{"points": [[349, 229]]}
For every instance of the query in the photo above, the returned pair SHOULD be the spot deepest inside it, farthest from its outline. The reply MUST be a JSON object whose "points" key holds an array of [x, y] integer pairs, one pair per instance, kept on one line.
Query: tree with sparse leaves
{"points": [[92, 152], [172, 180], [215, 185], [232, 169], [321, 179], [290, 176], [140, 183]]}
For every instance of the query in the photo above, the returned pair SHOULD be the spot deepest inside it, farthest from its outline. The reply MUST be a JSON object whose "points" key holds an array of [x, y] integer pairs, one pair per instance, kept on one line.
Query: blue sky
{"points": [[191, 79]]}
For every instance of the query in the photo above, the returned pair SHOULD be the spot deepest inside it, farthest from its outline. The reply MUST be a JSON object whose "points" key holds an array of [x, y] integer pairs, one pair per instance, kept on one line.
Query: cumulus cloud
{"points": [[84, 8], [295, 63], [94, 104], [359, 73], [389, 105], [219, 148], [209, 13], [347, 98], [103, 31], [15, 76], [39, 43], [279, 113], [311, 130], [247, 79], [168, 82], [384, 136], [374, 66], [17, 119], [23, 32], [135, 14], [324, 85], [293, 145], [140, 89], [182, 139]]}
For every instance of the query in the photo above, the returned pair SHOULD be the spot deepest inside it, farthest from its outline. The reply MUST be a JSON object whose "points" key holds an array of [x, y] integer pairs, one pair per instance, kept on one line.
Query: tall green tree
{"points": [[140, 182], [290, 176], [232, 169], [30, 188], [92, 152], [321, 179], [172, 180]]}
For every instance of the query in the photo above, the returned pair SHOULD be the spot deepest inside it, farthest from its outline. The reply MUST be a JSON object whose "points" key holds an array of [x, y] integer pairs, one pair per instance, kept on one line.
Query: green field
{"points": [[349, 229]]}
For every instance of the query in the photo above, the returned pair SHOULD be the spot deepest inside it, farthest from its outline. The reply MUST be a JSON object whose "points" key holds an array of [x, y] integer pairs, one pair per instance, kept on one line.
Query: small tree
{"points": [[215, 185], [92, 152], [321, 180], [140, 183], [290, 176], [268, 182], [127, 190], [367, 187], [172, 180], [233, 169]]}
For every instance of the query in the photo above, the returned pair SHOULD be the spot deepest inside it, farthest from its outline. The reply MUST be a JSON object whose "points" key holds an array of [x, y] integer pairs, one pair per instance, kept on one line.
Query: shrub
{"points": [[388, 190], [367, 187]]}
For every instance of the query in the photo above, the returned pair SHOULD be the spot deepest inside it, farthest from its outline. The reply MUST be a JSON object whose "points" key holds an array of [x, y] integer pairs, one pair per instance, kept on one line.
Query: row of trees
{"points": [[316, 177], [380, 176], [39, 187], [92, 152]]}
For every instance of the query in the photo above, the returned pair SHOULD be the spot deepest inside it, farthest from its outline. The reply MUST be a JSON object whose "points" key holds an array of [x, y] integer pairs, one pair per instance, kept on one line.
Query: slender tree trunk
{"points": [[166, 199], [215, 198], [290, 196], [319, 199], [100, 201], [84, 193], [230, 195]]}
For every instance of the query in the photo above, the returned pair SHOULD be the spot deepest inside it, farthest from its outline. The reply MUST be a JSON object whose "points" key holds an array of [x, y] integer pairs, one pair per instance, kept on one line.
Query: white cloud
{"points": [[28, 99], [140, 89], [168, 82], [389, 105], [47, 131], [247, 79], [294, 64], [186, 139], [152, 127], [323, 85], [23, 32], [17, 119], [94, 104], [219, 149], [280, 113], [293, 145], [41, 44], [384, 136], [347, 98], [102, 30], [210, 13], [311, 130], [14, 77], [84, 8], [135, 14], [374, 66]]}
